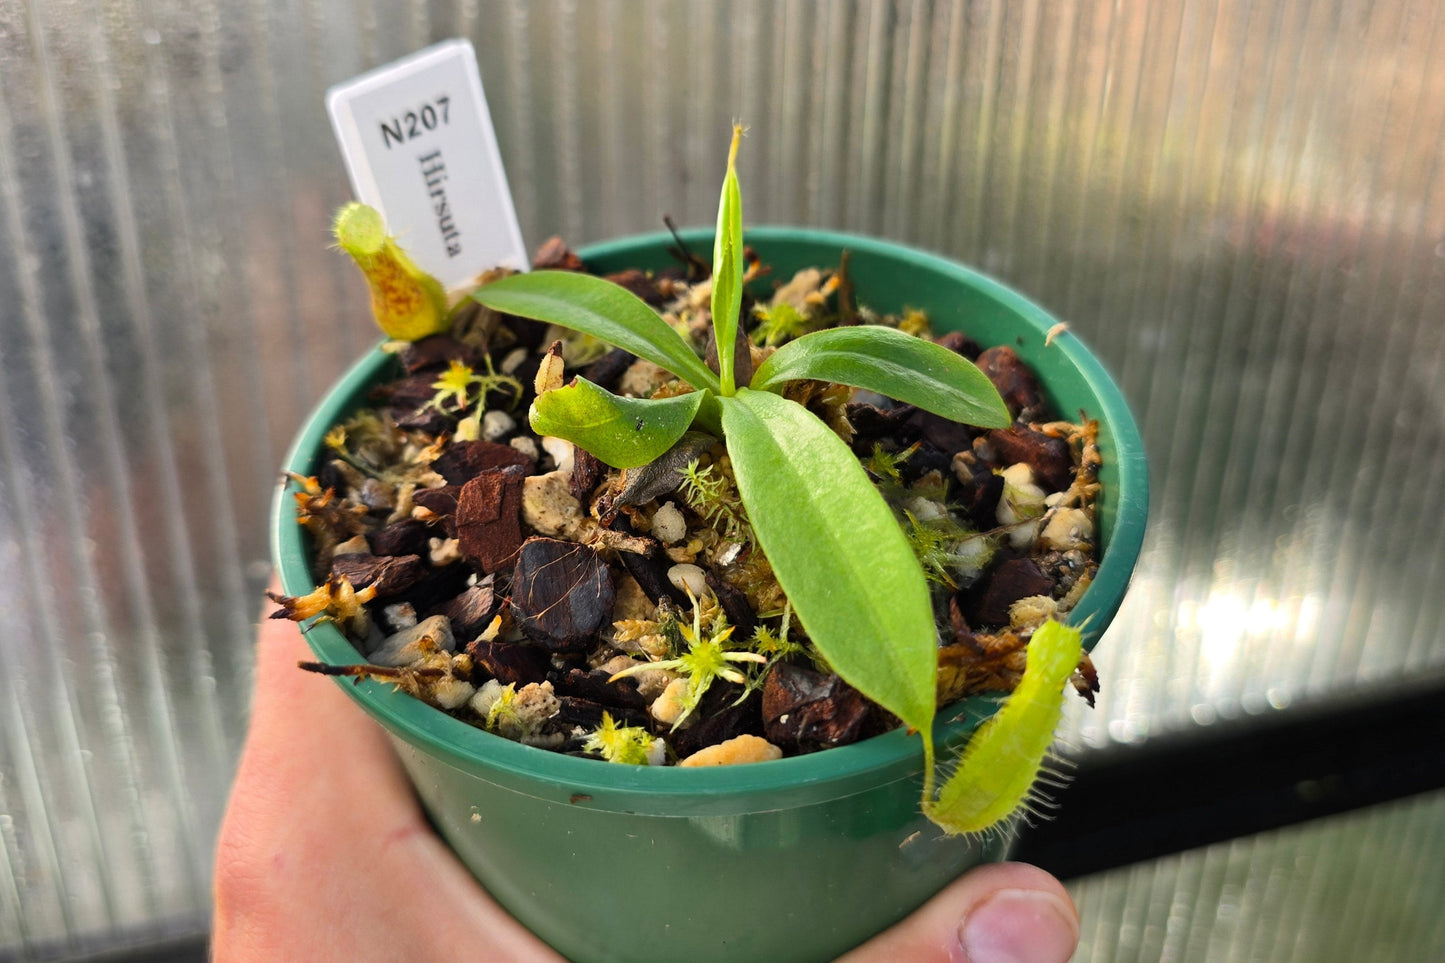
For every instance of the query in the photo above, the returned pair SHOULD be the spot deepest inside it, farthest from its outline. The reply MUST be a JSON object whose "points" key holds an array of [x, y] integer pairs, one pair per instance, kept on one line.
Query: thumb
{"points": [[1000, 913]]}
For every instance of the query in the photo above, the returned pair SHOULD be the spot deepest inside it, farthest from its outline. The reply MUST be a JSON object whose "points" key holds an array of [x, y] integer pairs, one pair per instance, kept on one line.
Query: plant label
{"points": [[419, 146]]}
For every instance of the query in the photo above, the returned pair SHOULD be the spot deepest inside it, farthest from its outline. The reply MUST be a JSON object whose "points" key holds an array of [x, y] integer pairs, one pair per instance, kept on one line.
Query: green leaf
{"points": [[602, 309], [837, 551], [727, 268], [709, 415], [623, 432], [898, 365]]}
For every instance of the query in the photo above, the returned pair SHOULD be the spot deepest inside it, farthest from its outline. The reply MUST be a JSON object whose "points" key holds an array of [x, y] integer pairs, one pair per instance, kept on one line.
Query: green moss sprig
{"points": [[711, 654], [626, 745]]}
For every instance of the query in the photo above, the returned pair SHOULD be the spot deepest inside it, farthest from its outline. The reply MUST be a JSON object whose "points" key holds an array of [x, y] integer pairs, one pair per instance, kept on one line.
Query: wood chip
{"points": [[471, 611], [649, 570], [405, 537], [554, 254], [488, 519], [1014, 381], [586, 472], [960, 343], [562, 593], [639, 283], [805, 711], [593, 685], [465, 460], [1005, 585], [1050, 458], [438, 351], [391, 575], [606, 370], [510, 662], [441, 503]]}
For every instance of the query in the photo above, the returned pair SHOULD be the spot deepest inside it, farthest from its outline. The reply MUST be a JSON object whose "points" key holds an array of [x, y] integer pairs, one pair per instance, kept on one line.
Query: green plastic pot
{"points": [[798, 859]]}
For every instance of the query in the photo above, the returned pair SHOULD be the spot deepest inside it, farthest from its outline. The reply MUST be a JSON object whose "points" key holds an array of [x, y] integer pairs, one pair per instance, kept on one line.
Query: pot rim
{"points": [[832, 773]]}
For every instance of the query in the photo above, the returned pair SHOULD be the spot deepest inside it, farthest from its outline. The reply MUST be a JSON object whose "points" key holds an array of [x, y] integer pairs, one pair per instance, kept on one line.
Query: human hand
{"points": [[372, 881]]}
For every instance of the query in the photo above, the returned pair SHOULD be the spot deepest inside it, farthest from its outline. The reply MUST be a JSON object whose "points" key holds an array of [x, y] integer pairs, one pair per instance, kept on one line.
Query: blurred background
{"points": [[1239, 205]]}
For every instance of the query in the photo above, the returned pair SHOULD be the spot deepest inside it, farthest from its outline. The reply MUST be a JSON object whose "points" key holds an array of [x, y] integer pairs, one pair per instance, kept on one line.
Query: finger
{"points": [[324, 852], [1000, 913], [299, 719]]}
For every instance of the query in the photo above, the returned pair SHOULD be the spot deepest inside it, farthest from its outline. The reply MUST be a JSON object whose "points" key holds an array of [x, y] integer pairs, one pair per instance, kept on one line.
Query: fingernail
{"points": [[1019, 926]]}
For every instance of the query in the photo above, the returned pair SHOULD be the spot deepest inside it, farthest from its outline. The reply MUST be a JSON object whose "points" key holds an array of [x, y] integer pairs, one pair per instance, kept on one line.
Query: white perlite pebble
{"points": [[444, 551], [925, 509], [1031, 611], [668, 525], [1021, 500], [355, 545], [399, 616], [642, 378], [513, 360], [451, 693], [405, 647], [728, 552], [561, 451], [535, 704], [526, 446], [1067, 528], [496, 425], [548, 507], [486, 697], [968, 557], [616, 664], [650, 684], [688, 578], [526, 712], [669, 707]]}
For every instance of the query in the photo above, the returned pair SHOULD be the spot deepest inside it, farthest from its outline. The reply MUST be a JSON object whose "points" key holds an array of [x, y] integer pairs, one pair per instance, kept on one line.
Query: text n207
{"points": [[415, 123]]}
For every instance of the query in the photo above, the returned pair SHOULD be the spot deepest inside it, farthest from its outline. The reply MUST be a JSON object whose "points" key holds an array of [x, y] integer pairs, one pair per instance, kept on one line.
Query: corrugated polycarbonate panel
{"points": [[1364, 886], [1238, 204]]}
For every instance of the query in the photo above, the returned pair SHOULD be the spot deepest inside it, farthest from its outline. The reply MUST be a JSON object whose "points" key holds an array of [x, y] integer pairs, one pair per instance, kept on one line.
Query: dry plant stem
{"points": [[384, 673]]}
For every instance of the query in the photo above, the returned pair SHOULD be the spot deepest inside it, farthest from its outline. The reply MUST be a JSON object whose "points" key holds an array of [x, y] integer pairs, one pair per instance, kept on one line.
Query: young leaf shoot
{"points": [[727, 268]]}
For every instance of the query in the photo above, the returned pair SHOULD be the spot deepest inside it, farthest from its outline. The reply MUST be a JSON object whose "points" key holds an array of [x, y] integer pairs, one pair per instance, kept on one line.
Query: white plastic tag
{"points": [[419, 146]]}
